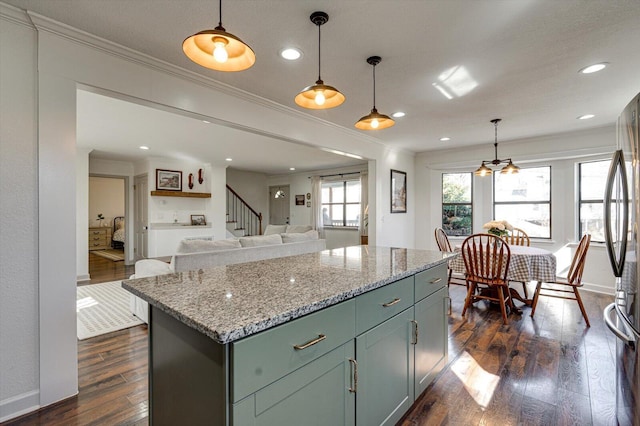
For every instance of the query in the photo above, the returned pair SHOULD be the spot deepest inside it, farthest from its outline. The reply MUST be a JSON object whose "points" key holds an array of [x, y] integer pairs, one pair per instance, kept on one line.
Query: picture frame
{"points": [[198, 220], [300, 200], [398, 191], [168, 180]]}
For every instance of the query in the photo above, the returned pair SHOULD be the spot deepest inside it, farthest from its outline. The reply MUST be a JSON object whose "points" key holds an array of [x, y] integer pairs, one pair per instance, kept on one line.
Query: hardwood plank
{"points": [[573, 409], [536, 412]]}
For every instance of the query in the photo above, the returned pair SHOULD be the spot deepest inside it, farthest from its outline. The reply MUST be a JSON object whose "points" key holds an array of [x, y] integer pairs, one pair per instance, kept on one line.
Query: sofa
{"points": [[195, 254]]}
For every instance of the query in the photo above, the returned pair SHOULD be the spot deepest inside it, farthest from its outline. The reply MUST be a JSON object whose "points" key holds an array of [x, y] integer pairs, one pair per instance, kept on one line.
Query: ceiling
{"points": [[515, 60]]}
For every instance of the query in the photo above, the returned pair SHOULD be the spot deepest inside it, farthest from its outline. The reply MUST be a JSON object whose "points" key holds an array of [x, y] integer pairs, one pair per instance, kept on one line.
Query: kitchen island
{"points": [[344, 336]]}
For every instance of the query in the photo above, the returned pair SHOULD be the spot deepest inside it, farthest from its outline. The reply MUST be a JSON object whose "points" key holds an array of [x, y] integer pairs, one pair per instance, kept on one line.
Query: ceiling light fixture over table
{"points": [[374, 120], [510, 168], [319, 95], [219, 50]]}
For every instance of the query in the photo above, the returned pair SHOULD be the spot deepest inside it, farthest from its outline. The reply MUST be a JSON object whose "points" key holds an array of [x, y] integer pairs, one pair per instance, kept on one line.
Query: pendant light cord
{"points": [[319, 44], [374, 87], [495, 144], [220, 9]]}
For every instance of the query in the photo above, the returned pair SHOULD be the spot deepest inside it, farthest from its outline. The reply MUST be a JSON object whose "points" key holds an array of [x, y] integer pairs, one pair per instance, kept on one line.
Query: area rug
{"points": [[103, 308], [115, 255]]}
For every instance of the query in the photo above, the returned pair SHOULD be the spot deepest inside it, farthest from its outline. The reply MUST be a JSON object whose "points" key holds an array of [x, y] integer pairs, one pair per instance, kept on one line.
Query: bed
{"points": [[118, 234]]}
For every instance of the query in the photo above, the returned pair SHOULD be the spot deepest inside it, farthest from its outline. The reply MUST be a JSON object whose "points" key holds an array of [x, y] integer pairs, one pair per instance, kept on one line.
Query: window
{"points": [[341, 203], [524, 200], [457, 203], [592, 180]]}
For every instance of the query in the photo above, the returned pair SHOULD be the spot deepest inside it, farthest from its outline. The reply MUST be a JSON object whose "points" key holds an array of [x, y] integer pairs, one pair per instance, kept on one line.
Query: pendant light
{"points": [[374, 120], [510, 168], [219, 50], [320, 95]]}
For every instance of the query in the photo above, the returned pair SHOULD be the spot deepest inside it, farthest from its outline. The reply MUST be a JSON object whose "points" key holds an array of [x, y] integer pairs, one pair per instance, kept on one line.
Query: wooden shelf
{"points": [[161, 193]]}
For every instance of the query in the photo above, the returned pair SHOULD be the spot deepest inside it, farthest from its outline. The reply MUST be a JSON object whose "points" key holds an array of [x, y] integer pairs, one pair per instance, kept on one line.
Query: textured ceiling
{"points": [[516, 60]]}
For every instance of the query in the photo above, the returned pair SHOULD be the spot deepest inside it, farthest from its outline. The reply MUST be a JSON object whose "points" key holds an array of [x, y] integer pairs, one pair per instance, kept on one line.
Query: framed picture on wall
{"points": [[300, 200], [168, 180], [398, 191], [198, 220]]}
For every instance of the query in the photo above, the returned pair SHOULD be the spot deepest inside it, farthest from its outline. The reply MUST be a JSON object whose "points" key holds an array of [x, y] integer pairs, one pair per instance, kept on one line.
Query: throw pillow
{"points": [[299, 236], [261, 240], [198, 246], [275, 229], [298, 228]]}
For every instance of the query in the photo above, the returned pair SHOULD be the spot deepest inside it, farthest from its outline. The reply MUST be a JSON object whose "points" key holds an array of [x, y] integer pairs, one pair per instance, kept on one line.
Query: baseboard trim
{"points": [[19, 405], [83, 278], [596, 288]]}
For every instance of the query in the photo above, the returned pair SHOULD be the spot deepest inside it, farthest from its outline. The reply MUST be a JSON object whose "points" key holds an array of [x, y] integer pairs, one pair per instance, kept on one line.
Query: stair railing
{"points": [[242, 214]]}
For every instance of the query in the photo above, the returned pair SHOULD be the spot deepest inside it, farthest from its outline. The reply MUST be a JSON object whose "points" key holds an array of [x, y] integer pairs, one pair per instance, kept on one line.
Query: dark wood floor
{"points": [[548, 371], [103, 270]]}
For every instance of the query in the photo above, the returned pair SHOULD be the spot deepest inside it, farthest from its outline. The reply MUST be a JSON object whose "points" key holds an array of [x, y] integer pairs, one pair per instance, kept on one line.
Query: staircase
{"points": [[242, 220]]}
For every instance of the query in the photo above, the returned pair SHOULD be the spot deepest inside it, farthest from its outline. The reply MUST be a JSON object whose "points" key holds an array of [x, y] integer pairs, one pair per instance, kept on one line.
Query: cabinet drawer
{"points": [[430, 281], [265, 357], [381, 304]]}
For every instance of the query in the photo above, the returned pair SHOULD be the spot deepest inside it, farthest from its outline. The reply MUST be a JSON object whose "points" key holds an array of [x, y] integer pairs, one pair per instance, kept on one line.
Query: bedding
{"points": [[118, 234]]}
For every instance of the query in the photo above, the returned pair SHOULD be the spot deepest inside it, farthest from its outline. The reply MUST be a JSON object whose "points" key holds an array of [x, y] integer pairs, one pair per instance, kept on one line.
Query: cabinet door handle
{"points": [[354, 377], [437, 280], [319, 339], [393, 302], [415, 332]]}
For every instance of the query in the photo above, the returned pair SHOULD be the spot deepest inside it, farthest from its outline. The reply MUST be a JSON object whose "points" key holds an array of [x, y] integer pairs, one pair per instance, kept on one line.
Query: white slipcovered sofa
{"points": [[203, 254]]}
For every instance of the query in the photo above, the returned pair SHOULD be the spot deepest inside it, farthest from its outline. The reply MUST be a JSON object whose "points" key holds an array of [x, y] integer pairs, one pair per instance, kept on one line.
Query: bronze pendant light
{"points": [[374, 120], [219, 50], [319, 95], [510, 168]]}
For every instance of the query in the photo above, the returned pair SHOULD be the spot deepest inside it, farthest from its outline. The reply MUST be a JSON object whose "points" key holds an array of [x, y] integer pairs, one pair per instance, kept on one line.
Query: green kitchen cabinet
{"points": [[431, 343], [318, 394], [385, 371]]}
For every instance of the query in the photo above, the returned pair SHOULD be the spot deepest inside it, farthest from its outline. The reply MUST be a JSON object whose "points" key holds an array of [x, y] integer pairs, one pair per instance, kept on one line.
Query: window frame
{"points": [[443, 204], [494, 202], [344, 203]]}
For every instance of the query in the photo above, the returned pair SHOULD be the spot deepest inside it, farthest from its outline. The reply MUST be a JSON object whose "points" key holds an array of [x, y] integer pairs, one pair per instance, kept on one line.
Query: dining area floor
{"points": [[547, 370]]}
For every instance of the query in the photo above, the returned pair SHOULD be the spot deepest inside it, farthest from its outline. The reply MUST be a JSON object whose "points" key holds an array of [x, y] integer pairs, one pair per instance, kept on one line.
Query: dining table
{"points": [[526, 264]]}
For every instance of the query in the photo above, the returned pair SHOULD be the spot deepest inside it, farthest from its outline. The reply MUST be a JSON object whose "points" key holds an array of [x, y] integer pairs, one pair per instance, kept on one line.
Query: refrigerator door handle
{"points": [[628, 340], [617, 163]]}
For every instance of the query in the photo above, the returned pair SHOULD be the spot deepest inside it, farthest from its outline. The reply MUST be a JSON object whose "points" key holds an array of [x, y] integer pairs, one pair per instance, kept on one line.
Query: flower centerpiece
{"points": [[499, 228], [100, 219]]}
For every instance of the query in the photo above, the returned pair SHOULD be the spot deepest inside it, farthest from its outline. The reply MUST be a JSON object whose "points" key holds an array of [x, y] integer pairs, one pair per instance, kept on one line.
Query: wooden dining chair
{"points": [[486, 260], [573, 281], [517, 237], [445, 247]]}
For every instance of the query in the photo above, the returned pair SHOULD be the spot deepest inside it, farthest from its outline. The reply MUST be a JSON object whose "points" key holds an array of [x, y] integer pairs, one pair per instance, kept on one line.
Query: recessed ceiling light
{"points": [[206, 122], [292, 168], [144, 147], [398, 114], [228, 159], [586, 117], [594, 68], [444, 139], [290, 54]]}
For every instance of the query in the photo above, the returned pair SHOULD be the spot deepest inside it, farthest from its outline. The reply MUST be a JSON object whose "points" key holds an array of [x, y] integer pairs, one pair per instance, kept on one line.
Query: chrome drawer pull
{"points": [[354, 380], [437, 280], [320, 338], [415, 332], [393, 302]]}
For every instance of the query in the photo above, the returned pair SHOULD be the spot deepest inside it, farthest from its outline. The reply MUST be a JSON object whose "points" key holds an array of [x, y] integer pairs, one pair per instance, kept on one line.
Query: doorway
{"points": [[279, 199]]}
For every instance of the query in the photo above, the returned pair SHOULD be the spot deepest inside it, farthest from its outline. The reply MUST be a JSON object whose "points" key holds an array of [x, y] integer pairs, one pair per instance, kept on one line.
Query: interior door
{"points": [[279, 199], [141, 225]]}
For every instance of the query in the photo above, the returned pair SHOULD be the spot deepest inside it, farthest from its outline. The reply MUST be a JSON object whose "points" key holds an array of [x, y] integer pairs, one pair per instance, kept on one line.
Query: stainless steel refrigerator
{"points": [[621, 215]]}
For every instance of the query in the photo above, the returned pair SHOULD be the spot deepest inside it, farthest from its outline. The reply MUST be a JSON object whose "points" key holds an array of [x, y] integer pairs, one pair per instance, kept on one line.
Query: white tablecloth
{"points": [[527, 264]]}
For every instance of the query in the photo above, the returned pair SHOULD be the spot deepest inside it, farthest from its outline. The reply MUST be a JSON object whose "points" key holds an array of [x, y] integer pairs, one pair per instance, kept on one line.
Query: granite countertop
{"points": [[230, 302]]}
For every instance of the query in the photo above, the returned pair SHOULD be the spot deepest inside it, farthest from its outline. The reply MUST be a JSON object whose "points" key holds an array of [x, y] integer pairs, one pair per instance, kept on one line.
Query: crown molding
{"points": [[13, 14], [48, 25]]}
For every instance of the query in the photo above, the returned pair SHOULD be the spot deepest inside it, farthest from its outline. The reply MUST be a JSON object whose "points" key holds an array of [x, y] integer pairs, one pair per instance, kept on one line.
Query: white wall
{"points": [[82, 224], [106, 197], [19, 329], [562, 152]]}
